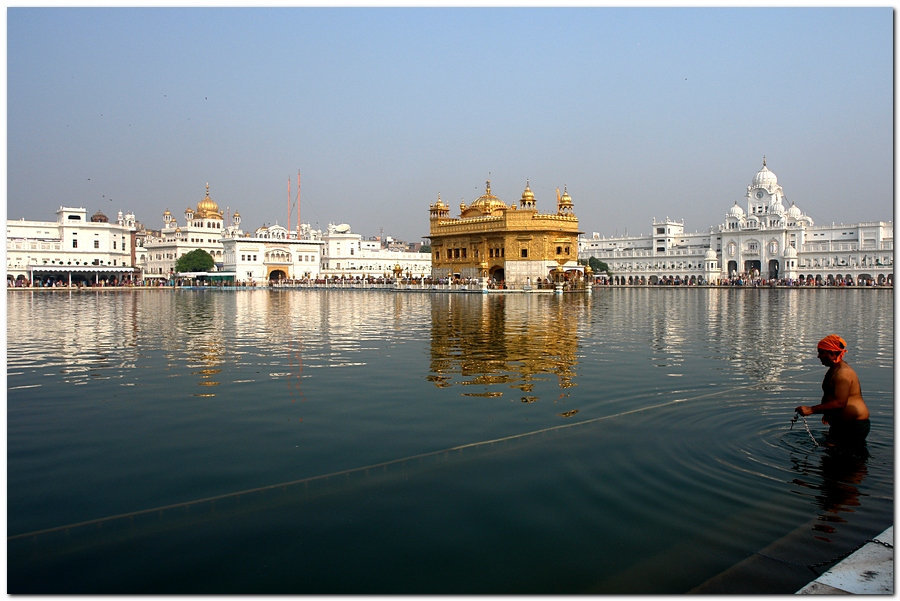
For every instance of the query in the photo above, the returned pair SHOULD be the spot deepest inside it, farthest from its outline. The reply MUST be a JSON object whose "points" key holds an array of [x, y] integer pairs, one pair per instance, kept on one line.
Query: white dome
{"points": [[794, 212], [790, 253], [710, 254], [764, 178], [736, 211], [778, 208]]}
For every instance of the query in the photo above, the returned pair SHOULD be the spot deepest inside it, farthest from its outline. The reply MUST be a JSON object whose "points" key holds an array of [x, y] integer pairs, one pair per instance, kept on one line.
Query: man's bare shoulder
{"points": [[844, 372]]}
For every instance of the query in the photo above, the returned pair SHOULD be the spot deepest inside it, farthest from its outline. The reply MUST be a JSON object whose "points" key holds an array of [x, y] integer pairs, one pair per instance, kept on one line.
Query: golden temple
{"points": [[511, 246]]}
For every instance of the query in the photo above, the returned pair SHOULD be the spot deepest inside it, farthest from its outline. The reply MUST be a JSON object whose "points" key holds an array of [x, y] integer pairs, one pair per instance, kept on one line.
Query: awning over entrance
{"points": [[81, 269], [79, 273]]}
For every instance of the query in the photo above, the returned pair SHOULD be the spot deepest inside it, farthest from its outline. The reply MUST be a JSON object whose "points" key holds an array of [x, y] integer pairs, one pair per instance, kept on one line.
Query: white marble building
{"points": [[763, 240], [71, 250], [272, 253], [203, 228], [348, 255]]}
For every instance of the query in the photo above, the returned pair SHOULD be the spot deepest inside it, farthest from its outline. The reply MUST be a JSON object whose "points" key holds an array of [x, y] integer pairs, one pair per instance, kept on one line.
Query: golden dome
{"points": [[207, 207], [564, 205], [527, 200], [487, 203], [527, 195]]}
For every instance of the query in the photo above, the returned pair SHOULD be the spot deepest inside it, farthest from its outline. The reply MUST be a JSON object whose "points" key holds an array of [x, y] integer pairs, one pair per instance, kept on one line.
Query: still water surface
{"points": [[350, 441]]}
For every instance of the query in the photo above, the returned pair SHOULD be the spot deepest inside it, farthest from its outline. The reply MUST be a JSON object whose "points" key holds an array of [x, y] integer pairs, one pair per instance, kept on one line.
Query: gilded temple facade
{"points": [[509, 245]]}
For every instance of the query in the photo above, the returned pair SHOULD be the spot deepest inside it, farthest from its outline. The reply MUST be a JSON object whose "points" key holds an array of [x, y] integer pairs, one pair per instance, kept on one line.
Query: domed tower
{"points": [[711, 269], [791, 270], [99, 217], [527, 201], [564, 204], [439, 210], [734, 217], [763, 193]]}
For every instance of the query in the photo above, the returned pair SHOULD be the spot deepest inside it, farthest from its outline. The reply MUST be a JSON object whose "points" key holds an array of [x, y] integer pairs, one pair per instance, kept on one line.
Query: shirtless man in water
{"points": [[842, 404]]}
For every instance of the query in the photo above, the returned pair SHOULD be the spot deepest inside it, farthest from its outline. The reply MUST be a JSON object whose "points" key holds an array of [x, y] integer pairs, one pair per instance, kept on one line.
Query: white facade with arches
{"points": [[762, 241], [272, 253]]}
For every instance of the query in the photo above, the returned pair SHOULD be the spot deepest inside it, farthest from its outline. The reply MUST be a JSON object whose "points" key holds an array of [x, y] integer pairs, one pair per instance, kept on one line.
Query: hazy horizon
{"points": [[642, 113]]}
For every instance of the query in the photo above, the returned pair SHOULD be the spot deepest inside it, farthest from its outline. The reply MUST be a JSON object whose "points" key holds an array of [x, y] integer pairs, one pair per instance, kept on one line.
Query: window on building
{"points": [[74, 243], [524, 253], [96, 244]]}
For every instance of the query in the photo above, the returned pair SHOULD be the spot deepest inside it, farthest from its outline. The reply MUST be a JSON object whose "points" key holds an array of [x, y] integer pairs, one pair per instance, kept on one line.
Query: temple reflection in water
{"points": [[476, 343]]}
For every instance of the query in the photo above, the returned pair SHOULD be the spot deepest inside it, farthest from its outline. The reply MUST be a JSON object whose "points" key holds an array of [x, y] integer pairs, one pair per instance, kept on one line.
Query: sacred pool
{"points": [[633, 440]]}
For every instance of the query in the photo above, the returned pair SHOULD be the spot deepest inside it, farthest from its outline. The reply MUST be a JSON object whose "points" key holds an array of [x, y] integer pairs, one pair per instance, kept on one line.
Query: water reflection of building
{"points": [[765, 238], [476, 340], [491, 239]]}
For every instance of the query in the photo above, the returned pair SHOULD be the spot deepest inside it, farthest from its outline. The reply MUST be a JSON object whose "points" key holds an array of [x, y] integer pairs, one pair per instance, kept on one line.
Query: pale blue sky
{"points": [[642, 113]]}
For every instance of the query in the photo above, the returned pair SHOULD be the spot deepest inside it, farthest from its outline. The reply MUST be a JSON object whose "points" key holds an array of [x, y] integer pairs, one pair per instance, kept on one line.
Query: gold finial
{"points": [[488, 187]]}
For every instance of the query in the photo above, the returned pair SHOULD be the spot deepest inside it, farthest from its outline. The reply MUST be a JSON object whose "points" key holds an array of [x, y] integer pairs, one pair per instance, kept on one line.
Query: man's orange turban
{"points": [[834, 343]]}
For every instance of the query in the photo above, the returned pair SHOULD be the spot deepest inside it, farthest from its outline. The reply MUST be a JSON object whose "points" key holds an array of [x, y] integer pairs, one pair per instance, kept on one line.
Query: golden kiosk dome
{"points": [[208, 207], [527, 200], [527, 194]]}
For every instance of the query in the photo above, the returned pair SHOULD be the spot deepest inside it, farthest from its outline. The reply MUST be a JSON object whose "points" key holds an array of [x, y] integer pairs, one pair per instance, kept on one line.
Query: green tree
{"points": [[425, 248], [596, 265], [196, 260]]}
